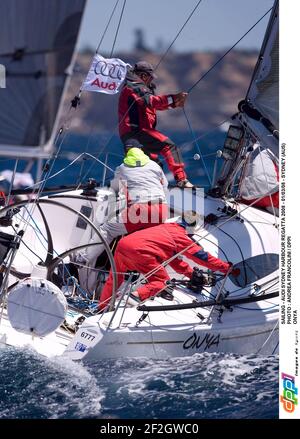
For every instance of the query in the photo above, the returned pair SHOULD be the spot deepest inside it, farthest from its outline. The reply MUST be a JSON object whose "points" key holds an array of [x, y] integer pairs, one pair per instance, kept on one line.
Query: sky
{"points": [[216, 24]]}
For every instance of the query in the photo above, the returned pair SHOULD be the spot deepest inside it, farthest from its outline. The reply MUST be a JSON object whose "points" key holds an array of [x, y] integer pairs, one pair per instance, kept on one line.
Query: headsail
{"points": [[263, 93], [260, 112], [37, 41], [255, 149]]}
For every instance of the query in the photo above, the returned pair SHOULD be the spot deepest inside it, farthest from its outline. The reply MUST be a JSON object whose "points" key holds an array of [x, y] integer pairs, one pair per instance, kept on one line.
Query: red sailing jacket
{"points": [[161, 243], [138, 106], [145, 250]]}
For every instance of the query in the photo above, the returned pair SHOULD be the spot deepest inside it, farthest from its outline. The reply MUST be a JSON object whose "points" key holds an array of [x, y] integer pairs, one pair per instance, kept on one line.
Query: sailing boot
{"points": [[185, 184], [133, 299]]}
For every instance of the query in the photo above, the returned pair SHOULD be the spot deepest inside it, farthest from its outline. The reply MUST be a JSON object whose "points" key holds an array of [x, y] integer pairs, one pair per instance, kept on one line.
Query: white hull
{"points": [[244, 329], [174, 340], [94, 341]]}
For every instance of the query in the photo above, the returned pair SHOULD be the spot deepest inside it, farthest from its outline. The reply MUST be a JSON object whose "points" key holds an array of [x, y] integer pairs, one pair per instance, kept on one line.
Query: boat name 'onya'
{"points": [[197, 341]]}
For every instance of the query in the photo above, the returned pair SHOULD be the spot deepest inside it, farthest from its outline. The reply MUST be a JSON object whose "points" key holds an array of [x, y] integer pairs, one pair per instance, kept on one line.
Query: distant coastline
{"points": [[213, 100]]}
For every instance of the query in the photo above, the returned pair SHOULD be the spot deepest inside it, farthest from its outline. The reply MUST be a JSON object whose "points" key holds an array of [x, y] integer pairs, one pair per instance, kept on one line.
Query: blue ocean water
{"points": [[69, 168], [205, 386]]}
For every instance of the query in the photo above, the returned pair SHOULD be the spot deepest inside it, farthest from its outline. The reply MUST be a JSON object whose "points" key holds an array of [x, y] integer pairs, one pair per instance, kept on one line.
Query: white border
{"points": [[289, 135]]}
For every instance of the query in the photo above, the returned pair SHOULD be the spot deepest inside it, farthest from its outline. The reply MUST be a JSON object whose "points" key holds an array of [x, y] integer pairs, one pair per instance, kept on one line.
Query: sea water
{"points": [[71, 167], [204, 386]]}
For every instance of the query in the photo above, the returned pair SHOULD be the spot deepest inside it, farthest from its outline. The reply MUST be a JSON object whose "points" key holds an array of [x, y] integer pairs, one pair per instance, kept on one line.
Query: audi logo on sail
{"points": [[113, 71]]}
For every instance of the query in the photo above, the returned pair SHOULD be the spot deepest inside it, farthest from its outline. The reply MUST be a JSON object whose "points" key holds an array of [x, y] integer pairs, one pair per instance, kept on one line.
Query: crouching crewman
{"points": [[145, 251]]}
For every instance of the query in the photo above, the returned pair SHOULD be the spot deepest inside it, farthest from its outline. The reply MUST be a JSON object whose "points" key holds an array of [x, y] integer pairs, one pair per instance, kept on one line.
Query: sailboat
{"points": [[46, 300]]}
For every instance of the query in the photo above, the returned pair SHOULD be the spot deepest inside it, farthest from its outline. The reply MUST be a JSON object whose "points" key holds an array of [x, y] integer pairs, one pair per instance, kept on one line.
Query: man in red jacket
{"points": [[137, 118], [145, 250]]}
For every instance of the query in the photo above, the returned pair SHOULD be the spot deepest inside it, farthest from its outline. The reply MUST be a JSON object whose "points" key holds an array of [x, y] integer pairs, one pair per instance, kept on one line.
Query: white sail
{"points": [[260, 109], [259, 114], [263, 93]]}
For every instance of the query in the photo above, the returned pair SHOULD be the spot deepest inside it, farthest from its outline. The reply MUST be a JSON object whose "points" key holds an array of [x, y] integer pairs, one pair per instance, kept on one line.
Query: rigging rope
{"points": [[111, 54], [196, 143], [76, 100], [255, 139], [267, 182], [163, 56], [192, 87], [11, 182], [48, 167], [70, 164], [111, 137], [106, 27], [84, 159], [226, 53], [62, 128], [177, 35], [165, 263], [269, 337], [116, 35], [212, 130]]}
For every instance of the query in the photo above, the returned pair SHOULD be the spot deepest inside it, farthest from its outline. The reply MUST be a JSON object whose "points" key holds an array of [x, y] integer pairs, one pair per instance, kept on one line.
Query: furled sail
{"points": [[37, 41], [263, 93], [259, 113]]}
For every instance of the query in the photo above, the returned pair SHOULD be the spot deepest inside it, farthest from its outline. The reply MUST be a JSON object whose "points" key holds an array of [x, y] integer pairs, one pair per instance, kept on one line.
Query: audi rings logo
{"points": [[113, 71]]}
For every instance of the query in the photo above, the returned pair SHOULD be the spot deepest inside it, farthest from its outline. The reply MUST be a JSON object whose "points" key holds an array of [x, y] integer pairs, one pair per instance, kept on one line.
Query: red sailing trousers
{"points": [[144, 215]]}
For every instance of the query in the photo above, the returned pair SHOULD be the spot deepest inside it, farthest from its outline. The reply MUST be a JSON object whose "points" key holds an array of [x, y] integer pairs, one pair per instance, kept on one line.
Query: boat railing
{"points": [[219, 297], [126, 289], [105, 165]]}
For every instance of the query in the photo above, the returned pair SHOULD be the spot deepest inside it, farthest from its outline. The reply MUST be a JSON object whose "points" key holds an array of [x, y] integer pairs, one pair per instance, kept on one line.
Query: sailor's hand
{"points": [[236, 272], [179, 99], [233, 271]]}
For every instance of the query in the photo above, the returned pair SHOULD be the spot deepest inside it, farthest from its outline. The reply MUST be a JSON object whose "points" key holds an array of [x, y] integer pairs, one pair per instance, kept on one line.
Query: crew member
{"points": [[145, 251], [137, 118], [142, 184]]}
